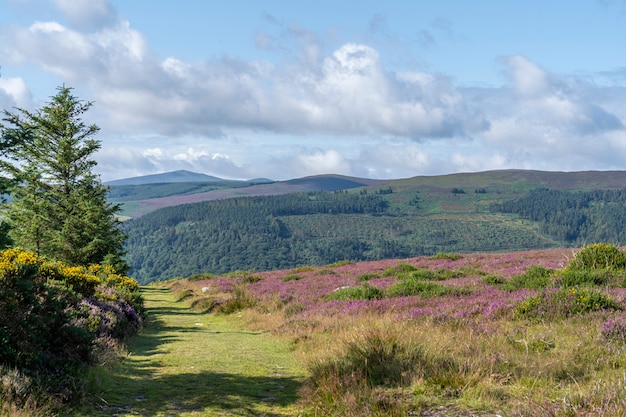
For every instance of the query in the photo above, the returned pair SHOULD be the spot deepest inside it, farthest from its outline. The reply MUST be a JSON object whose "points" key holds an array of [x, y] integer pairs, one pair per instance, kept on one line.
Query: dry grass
{"points": [[383, 362]]}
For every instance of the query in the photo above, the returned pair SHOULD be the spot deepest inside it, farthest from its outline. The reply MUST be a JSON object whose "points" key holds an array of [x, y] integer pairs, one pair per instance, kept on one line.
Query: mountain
{"points": [[166, 177]]}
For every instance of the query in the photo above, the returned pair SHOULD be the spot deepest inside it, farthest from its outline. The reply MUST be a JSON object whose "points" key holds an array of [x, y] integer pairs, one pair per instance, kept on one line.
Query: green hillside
{"points": [[395, 219]]}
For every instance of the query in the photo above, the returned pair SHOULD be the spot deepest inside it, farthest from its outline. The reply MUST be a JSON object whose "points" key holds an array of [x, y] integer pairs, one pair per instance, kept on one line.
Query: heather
{"points": [[56, 322], [539, 332]]}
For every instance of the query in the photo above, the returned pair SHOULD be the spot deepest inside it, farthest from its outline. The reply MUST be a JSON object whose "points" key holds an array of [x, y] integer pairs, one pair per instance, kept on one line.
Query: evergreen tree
{"points": [[59, 207]]}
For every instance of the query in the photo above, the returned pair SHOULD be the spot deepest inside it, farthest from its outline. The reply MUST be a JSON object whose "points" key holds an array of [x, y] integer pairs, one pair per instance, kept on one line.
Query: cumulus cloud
{"points": [[545, 120], [348, 92], [14, 93], [87, 13], [385, 122]]}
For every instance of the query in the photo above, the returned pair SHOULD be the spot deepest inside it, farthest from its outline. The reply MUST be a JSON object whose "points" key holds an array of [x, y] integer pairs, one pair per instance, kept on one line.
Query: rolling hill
{"points": [[286, 224]]}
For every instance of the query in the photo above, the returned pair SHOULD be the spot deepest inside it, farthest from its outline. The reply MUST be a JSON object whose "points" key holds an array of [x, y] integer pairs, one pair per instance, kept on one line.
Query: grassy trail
{"points": [[189, 364]]}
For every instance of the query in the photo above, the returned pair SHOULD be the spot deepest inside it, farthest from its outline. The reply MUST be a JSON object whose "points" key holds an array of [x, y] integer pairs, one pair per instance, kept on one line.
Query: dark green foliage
{"points": [[409, 287], [367, 276], [398, 269], [590, 277], [598, 256], [563, 303], [574, 217], [292, 278], [440, 274], [448, 256], [536, 277], [58, 207], [493, 279], [362, 292]]}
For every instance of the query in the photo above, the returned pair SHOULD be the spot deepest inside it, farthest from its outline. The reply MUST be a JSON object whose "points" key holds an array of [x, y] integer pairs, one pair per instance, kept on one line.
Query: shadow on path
{"points": [[143, 385]]}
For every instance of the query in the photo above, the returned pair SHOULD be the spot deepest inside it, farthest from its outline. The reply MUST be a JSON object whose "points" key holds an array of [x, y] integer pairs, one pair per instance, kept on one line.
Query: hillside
{"points": [[394, 219]]}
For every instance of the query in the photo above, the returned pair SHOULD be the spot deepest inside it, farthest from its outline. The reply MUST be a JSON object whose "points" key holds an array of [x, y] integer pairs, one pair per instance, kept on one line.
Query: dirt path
{"points": [[190, 364]]}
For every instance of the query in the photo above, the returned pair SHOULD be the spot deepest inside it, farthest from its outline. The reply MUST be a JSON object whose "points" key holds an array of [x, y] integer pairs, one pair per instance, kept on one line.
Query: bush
{"points": [[598, 256], [367, 276], [588, 277], [362, 292], [397, 269], [291, 278], [564, 303], [446, 256], [409, 287], [54, 319], [240, 300], [440, 274], [493, 279], [536, 277]]}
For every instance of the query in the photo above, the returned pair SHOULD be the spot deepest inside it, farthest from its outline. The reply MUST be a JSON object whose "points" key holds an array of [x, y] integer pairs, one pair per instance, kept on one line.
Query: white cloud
{"points": [[384, 122], [14, 93], [87, 13]]}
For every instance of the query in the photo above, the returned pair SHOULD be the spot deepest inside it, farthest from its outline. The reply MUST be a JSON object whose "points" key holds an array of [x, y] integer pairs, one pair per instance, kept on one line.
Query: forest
{"points": [[576, 218], [314, 228]]}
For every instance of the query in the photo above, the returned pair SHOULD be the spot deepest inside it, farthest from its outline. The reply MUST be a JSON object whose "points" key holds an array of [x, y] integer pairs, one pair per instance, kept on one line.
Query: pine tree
{"points": [[59, 207]]}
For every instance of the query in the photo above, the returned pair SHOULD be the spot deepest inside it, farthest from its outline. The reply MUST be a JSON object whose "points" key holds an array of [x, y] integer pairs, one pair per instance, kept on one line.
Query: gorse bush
{"points": [[563, 303], [598, 256], [54, 319]]}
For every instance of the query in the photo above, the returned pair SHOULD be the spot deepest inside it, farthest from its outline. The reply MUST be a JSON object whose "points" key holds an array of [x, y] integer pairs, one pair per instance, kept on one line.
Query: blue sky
{"points": [[284, 89]]}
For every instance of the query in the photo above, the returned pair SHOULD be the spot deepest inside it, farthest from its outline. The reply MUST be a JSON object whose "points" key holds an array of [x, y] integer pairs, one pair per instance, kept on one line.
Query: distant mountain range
{"points": [[174, 176], [141, 195]]}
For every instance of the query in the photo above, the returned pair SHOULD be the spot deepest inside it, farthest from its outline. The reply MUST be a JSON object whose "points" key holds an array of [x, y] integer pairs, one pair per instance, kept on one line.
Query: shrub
{"points": [[536, 277], [564, 303], [340, 263], [598, 256], [367, 276], [55, 318], [397, 269], [362, 292], [493, 279], [201, 277], [440, 274], [240, 300], [291, 278], [409, 287], [446, 256], [588, 277]]}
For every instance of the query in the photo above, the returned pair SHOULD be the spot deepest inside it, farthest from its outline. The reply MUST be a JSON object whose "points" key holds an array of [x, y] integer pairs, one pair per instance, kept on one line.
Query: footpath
{"points": [[189, 364]]}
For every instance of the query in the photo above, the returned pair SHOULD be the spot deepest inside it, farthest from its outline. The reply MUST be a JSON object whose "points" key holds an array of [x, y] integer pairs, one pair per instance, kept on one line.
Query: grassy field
{"points": [[190, 364], [535, 333]]}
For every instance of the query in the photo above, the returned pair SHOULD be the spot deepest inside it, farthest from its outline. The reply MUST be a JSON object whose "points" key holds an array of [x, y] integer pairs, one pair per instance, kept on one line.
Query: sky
{"points": [[283, 89]]}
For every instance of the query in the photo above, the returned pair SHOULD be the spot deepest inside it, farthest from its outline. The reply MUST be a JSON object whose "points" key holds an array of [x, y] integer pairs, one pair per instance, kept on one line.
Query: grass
{"points": [[190, 364], [495, 334]]}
